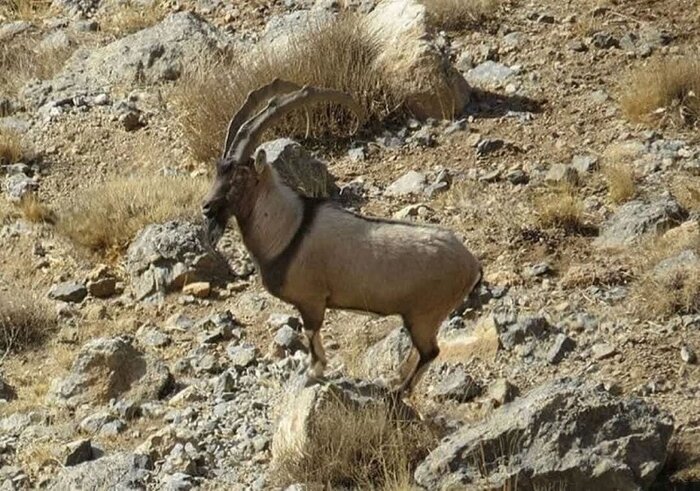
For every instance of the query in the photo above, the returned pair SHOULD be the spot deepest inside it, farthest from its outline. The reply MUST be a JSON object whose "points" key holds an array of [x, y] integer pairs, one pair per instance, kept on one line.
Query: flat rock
{"points": [[562, 346], [383, 359], [68, 291], [199, 289], [565, 431], [489, 74], [637, 218], [78, 452], [457, 385], [413, 182], [118, 471]]}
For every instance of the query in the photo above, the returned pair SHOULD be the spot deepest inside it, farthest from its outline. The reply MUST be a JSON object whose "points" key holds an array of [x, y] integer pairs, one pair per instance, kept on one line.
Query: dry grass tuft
{"points": [[35, 211], [369, 450], [560, 208], [339, 55], [11, 149], [669, 284], [687, 190], [106, 216], [664, 88], [22, 59], [24, 9], [127, 18], [24, 320], [452, 15], [620, 181]]}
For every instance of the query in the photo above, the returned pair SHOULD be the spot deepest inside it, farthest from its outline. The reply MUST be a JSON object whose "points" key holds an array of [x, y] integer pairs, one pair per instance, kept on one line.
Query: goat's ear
{"points": [[262, 168]]}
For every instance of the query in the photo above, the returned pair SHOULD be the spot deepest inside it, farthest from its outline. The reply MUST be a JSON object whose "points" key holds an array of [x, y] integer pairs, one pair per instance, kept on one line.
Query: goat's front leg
{"points": [[313, 320]]}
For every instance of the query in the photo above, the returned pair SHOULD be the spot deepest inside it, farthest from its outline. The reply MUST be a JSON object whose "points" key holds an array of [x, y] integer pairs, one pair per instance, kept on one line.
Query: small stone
{"points": [[517, 176], [286, 342], [412, 182], [178, 481], [457, 386], [602, 351], [241, 356], [150, 336], [562, 174], [68, 291], [489, 74], [688, 355], [456, 126], [225, 384], [501, 392], [492, 176], [357, 154], [540, 269], [186, 395], [78, 452], [577, 46], [276, 321], [563, 344], [585, 164], [199, 289], [179, 322], [603, 40], [545, 19], [488, 145], [103, 288]]}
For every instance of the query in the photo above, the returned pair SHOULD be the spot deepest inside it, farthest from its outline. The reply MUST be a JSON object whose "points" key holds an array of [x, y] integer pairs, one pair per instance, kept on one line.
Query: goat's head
{"points": [[237, 172]]}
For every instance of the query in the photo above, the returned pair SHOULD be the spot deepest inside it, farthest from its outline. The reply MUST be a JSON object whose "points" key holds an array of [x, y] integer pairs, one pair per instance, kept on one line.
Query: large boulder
{"points": [[119, 471], [149, 56], [567, 433], [299, 169], [636, 218], [109, 368], [165, 257], [415, 68], [383, 359]]}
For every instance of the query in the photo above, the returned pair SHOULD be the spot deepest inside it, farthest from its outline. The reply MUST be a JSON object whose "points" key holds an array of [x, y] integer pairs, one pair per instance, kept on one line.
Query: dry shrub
{"points": [[453, 15], [687, 190], [669, 84], [560, 207], [24, 9], [24, 320], [620, 181], [106, 216], [11, 150], [22, 59], [339, 55], [370, 449], [35, 211], [130, 17], [674, 287]]}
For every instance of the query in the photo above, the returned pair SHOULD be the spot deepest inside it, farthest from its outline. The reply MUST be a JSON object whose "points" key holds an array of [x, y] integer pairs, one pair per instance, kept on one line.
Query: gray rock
{"points": [[488, 145], [299, 169], [178, 482], [12, 29], [279, 28], [19, 186], [688, 355], [517, 176], [68, 291], [108, 368], [95, 422], [604, 40], [287, 341], [225, 384], [489, 74], [241, 356], [585, 164], [565, 431], [563, 345], [562, 174], [602, 351], [163, 257], [525, 328], [277, 321], [358, 154], [456, 126], [686, 260], [636, 218], [149, 56], [413, 182], [457, 386], [148, 335], [501, 392], [120, 471], [382, 359], [79, 452]]}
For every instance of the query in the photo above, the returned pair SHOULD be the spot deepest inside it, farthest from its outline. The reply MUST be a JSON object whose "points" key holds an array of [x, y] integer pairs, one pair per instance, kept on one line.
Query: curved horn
{"points": [[253, 100], [246, 139]]}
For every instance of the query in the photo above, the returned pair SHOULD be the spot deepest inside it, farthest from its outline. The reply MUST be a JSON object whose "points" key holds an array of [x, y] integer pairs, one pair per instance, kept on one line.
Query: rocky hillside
{"points": [[558, 139]]}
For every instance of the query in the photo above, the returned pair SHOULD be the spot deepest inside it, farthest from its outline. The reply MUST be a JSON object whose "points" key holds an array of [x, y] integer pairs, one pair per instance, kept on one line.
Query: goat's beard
{"points": [[214, 231]]}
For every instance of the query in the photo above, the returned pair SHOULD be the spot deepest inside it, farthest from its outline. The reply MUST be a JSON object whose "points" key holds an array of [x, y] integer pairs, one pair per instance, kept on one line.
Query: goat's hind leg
{"points": [[424, 338], [313, 320]]}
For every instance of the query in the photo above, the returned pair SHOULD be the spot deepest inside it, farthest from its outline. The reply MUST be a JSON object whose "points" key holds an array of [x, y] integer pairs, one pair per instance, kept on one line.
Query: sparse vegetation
{"points": [[129, 17], [24, 320], [667, 88], [456, 14], [371, 449], [106, 216], [620, 181], [11, 150], [35, 211], [687, 190], [561, 208], [23, 59], [339, 56], [24, 9]]}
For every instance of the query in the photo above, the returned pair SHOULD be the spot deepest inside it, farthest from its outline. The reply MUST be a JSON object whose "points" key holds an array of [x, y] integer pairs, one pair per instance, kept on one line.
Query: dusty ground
{"points": [[567, 119]]}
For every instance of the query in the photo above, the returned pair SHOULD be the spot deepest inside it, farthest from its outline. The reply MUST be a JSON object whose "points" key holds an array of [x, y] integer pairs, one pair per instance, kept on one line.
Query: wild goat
{"points": [[315, 255]]}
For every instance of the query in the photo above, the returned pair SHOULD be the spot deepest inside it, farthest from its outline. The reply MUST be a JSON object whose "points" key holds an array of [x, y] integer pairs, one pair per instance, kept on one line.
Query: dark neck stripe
{"points": [[274, 271]]}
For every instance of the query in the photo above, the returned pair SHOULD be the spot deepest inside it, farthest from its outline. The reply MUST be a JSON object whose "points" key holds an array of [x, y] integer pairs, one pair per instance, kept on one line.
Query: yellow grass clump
{"points": [[620, 180], [371, 449], [560, 208], [105, 217], [24, 9], [339, 55], [456, 14], [11, 150], [664, 87], [24, 320], [127, 18]]}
